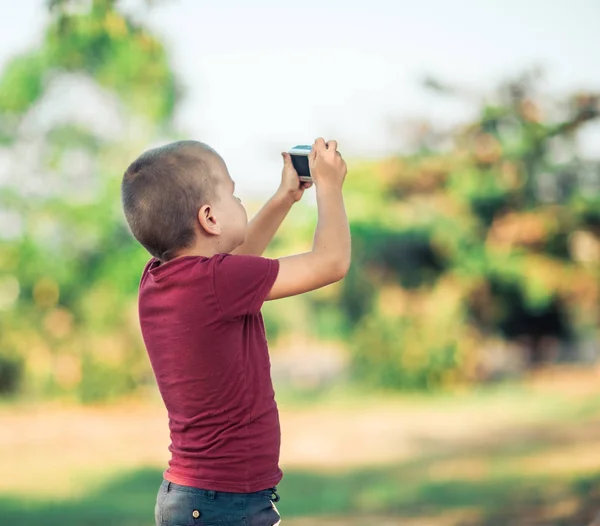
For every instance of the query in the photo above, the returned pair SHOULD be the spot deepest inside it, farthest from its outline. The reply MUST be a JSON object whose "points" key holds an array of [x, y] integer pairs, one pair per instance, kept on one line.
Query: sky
{"points": [[263, 76]]}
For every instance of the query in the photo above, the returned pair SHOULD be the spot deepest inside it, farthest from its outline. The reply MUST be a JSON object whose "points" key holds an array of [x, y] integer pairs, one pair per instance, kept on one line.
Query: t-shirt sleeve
{"points": [[243, 282]]}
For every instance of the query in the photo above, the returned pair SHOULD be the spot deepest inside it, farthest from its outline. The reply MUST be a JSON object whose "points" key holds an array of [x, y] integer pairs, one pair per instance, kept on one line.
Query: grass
{"points": [[507, 456], [397, 491]]}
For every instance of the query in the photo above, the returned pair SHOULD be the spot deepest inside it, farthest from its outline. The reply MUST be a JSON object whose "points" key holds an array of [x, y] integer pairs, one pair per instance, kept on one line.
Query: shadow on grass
{"points": [[390, 492]]}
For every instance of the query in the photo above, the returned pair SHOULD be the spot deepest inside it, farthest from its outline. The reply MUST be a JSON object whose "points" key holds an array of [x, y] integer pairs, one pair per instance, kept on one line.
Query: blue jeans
{"points": [[185, 506]]}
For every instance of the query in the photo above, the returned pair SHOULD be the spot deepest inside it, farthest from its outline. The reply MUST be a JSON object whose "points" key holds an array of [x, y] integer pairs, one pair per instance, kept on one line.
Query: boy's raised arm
{"points": [[329, 259], [264, 225]]}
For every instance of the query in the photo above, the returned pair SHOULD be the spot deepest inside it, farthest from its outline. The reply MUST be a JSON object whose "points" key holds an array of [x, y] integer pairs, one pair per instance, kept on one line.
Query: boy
{"points": [[199, 306]]}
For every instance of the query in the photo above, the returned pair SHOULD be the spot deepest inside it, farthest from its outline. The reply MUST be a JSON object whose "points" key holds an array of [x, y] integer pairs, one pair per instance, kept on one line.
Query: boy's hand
{"points": [[291, 187], [329, 259], [327, 168]]}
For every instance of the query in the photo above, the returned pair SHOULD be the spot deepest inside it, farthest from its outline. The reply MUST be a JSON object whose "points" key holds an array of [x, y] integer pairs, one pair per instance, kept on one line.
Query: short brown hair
{"points": [[162, 191]]}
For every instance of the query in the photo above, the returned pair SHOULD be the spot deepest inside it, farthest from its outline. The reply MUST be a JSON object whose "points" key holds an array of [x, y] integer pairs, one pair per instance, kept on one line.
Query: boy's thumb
{"points": [[286, 158]]}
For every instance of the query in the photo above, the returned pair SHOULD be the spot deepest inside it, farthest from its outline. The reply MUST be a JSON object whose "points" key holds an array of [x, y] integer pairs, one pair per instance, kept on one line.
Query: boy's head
{"points": [[179, 197]]}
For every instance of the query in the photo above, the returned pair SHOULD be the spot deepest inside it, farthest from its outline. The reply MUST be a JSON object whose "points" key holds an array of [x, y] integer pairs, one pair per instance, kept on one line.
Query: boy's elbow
{"points": [[332, 267], [341, 269]]}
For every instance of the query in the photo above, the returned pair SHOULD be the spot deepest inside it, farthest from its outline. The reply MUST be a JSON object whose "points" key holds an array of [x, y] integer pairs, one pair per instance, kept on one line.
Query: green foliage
{"points": [[487, 243], [11, 374], [118, 54], [22, 83], [101, 382], [492, 241], [101, 42], [492, 244], [71, 324]]}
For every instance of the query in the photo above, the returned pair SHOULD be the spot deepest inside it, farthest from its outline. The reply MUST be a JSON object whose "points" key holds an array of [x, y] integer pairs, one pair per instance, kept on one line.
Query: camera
{"points": [[299, 155]]}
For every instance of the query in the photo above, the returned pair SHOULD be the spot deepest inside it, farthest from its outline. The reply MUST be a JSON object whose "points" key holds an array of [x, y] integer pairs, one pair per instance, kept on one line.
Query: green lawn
{"points": [[395, 492], [541, 468]]}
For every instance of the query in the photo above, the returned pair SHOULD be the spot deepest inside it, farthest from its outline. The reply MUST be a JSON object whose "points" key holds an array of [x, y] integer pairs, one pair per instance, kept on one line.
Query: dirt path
{"points": [[324, 438], [549, 431], [37, 443]]}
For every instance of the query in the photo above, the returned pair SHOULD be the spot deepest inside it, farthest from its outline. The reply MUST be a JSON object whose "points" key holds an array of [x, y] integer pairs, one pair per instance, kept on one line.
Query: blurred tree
{"points": [[494, 243], [482, 245], [484, 239], [73, 113]]}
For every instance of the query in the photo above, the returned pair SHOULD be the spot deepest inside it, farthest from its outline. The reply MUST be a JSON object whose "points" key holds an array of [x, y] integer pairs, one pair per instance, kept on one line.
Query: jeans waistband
{"points": [[213, 494]]}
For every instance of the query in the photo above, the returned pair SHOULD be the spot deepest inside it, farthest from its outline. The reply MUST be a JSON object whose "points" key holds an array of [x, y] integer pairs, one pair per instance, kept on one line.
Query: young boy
{"points": [[199, 306]]}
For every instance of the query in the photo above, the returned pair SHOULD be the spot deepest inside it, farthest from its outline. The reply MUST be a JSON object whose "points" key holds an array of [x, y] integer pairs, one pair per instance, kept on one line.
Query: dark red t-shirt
{"points": [[201, 323]]}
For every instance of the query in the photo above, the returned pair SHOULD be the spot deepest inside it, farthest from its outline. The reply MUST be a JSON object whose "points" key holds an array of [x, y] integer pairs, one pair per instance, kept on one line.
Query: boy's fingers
{"points": [[305, 186], [320, 144], [332, 145]]}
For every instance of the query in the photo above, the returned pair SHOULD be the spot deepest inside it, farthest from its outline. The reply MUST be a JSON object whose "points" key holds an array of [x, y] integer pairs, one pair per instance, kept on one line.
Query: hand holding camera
{"points": [[320, 163]]}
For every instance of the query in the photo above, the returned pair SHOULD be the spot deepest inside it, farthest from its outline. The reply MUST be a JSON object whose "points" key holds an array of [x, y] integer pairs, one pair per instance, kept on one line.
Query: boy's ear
{"points": [[208, 221]]}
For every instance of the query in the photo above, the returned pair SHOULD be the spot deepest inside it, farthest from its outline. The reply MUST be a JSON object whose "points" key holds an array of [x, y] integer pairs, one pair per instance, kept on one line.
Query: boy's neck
{"points": [[196, 251], [201, 249]]}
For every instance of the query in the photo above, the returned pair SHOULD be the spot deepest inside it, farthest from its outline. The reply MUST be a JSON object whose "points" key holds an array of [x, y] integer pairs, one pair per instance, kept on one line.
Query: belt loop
{"points": [[211, 494], [275, 495], [168, 486]]}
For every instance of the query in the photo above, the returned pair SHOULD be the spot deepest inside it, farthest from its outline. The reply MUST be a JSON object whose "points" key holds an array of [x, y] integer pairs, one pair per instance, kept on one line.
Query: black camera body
{"points": [[299, 155]]}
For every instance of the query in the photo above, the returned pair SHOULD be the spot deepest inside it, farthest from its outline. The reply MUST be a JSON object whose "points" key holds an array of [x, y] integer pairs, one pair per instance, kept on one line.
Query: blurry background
{"points": [[450, 379]]}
